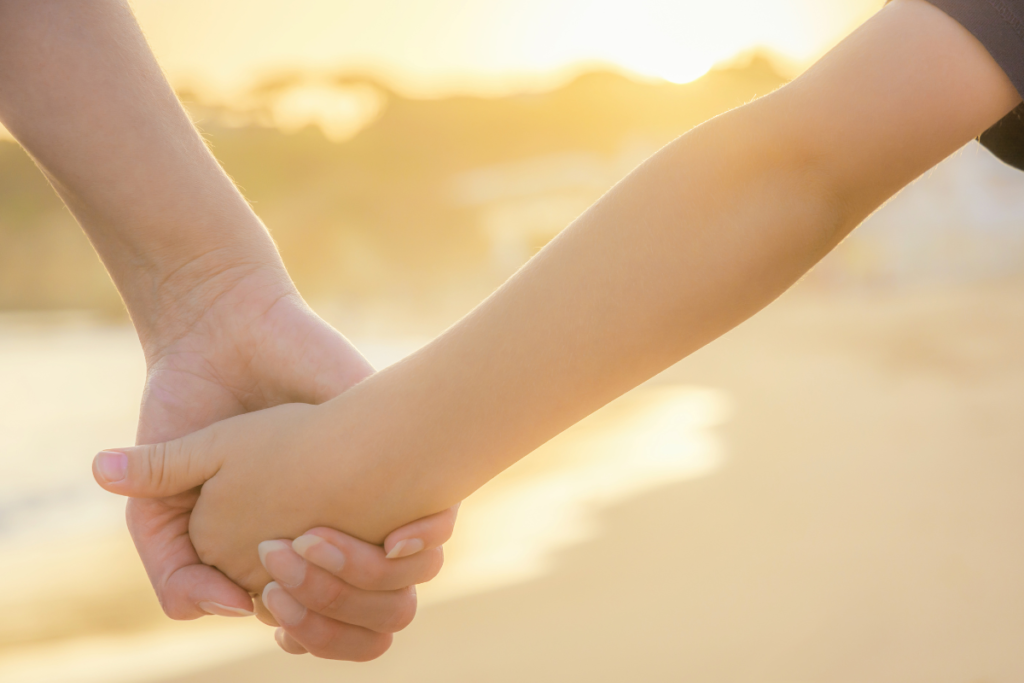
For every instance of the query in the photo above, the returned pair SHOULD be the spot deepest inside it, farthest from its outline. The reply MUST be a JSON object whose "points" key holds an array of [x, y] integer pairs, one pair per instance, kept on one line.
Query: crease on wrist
{"points": [[178, 298]]}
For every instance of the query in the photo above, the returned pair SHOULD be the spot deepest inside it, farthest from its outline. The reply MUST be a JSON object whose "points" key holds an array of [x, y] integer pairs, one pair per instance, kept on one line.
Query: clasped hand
{"points": [[256, 346]]}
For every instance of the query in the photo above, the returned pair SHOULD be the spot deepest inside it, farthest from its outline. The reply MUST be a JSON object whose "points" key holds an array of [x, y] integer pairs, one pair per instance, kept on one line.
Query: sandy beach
{"points": [[836, 497], [866, 524]]}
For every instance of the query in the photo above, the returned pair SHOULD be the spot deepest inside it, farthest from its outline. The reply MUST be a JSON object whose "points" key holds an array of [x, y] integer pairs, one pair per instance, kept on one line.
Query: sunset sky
{"points": [[431, 47], [219, 48]]}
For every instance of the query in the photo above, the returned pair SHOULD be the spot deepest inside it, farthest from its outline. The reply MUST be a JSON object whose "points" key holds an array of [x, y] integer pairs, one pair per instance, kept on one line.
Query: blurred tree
{"points": [[379, 215]]}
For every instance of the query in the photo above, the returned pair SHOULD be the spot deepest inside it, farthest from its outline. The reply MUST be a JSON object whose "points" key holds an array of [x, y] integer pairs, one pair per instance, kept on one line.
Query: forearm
{"points": [[688, 246], [703, 235], [80, 89]]}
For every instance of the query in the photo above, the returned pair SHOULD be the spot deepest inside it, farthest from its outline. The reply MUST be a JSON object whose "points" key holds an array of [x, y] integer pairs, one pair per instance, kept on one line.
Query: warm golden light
{"points": [[493, 46], [830, 492]]}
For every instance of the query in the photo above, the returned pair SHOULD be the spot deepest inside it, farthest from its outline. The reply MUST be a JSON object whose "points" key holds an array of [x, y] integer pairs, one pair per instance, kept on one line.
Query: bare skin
{"points": [[223, 329], [702, 236]]}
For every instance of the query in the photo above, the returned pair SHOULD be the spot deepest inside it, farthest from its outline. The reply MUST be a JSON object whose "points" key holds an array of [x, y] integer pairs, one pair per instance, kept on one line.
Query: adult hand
{"points": [[223, 329], [255, 345], [340, 598]]}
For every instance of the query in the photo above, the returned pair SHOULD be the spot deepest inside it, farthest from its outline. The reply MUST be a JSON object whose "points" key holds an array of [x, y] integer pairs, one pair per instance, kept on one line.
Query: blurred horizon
{"points": [[397, 212], [465, 47], [382, 201], [418, 153]]}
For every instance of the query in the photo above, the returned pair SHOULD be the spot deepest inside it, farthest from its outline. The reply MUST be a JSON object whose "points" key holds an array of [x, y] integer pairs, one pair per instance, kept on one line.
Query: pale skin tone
{"points": [[223, 329], [699, 238]]}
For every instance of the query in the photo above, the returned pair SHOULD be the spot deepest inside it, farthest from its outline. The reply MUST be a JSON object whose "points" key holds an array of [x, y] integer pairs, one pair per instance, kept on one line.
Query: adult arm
{"points": [[222, 327], [81, 91]]}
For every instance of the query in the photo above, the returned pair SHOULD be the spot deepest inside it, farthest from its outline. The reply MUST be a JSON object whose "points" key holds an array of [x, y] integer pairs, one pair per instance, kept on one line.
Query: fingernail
{"points": [[284, 607], [409, 546], [319, 552], [219, 610], [112, 466], [278, 559], [279, 637]]}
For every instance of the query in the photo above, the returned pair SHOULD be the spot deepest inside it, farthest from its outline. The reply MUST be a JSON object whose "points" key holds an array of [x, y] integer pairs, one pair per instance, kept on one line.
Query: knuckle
{"points": [[321, 642], [157, 464], [433, 562], [177, 609], [173, 603], [254, 579], [376, 646], [331, 645], [334, 600], [371, 576], [166, 463], [402, 614], [171, 611]]}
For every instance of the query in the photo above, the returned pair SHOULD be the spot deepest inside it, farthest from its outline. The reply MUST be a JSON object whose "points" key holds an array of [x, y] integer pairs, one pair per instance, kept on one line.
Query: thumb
{"points": [[158, 470]]}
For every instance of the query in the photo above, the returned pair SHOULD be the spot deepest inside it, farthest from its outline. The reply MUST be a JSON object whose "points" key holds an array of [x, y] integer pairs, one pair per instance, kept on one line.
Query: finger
{"points": [[365, 565], [319, 591], [186, 588], [158, 470], [427, 533], [320, 636], [262, 613], [287, 643], [197, 590]]}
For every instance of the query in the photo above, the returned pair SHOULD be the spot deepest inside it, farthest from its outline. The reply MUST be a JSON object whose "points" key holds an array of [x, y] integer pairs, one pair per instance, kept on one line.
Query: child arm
{"points": [[696, 240], [699, 238]]}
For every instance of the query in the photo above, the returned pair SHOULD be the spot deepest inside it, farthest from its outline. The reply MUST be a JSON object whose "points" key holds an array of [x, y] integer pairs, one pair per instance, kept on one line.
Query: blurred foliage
{"points": [[379, 216]]}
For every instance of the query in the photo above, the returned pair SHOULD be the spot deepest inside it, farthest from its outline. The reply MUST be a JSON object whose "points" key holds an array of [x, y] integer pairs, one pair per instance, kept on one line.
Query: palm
{"points": [[248, 352]]}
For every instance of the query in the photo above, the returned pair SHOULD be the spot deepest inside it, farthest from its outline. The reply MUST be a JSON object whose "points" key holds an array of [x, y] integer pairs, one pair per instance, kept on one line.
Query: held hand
{"points": [[223, 329], [265, 474], [255, 346], [327, 584]]}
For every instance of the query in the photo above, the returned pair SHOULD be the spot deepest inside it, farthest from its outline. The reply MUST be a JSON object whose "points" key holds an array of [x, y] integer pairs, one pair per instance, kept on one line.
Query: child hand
{"points": [[264, 475], [326, 583]]}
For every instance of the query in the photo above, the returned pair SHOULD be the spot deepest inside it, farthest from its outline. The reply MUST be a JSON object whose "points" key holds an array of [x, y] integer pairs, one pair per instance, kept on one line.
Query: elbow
{"points": [[764, 153], [806, 170], [847, 180]]}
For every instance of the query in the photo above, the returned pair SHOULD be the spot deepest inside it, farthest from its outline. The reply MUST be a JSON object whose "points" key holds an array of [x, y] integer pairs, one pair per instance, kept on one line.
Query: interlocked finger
{"points": [[364, 565], [319, 591], [319, 635]]}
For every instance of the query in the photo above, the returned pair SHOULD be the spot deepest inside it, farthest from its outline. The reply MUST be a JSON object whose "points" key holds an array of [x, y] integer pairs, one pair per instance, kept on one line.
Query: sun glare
{"points": [[675, 68], [340, 112], [487, 46]]}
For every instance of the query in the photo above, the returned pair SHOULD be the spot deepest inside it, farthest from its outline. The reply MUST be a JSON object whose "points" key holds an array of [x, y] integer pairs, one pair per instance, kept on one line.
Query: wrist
{"points": [[168, 301], [390, 440]]}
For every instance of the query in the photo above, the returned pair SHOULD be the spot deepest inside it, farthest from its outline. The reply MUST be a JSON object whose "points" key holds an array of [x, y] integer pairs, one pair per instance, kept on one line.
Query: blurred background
{"points": [[829, 493]]}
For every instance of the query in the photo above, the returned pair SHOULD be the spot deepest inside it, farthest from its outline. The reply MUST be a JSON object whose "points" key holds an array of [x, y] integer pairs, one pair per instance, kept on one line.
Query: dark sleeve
{"points": [[999, 26]]}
